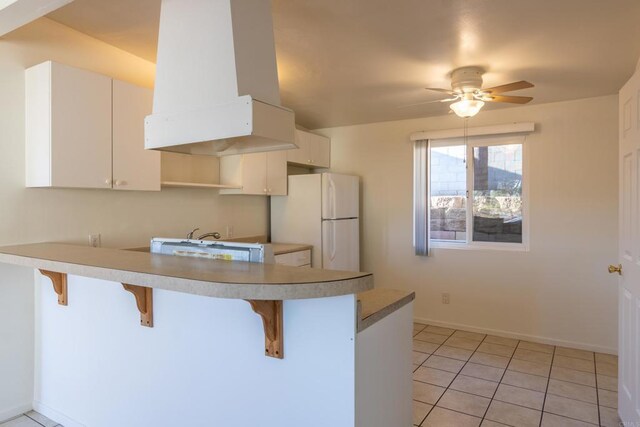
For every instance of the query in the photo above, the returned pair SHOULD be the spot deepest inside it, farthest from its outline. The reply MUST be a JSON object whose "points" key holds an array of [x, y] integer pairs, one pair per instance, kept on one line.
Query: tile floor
{"points": [[467, 379], [30, 419]]}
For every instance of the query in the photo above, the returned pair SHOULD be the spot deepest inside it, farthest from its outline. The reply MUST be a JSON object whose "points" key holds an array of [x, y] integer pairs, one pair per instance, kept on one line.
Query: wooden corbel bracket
{"points": [[271, 313], [144, 301], [59, 281]]}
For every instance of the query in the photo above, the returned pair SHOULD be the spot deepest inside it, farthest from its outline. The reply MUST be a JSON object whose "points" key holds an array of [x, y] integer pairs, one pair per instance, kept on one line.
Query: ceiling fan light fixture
{"points": [[467, 107]]}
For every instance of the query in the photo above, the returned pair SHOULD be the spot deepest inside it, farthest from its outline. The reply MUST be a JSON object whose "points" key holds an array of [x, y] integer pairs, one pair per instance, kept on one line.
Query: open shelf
{"points": [[176, 184]]}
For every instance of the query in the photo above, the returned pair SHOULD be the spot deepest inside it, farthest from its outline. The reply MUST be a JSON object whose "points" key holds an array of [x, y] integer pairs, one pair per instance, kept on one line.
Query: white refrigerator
{"points": [[321, 210]]}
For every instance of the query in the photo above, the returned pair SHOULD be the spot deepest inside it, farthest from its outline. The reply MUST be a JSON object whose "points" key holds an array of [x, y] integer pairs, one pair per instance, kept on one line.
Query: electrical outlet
{"points": [[95, 240], [445, 298], [229, 231]]}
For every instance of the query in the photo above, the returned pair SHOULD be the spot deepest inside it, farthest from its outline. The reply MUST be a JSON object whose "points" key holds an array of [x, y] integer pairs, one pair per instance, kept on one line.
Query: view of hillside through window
{"points": [[496, 199]]}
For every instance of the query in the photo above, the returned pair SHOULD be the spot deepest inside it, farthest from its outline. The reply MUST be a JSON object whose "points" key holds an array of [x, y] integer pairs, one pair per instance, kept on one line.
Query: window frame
{"points": [[471, 143]]}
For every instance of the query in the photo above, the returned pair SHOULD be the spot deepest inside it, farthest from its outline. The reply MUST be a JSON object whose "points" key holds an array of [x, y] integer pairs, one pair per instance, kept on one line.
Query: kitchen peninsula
{"points": [[168, 355]]}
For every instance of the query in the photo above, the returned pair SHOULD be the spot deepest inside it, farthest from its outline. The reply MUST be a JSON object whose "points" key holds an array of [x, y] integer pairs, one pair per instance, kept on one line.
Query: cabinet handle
{"points": [[309, 161], [107, 181], [265, 190], [269, 190], [120, 183]]}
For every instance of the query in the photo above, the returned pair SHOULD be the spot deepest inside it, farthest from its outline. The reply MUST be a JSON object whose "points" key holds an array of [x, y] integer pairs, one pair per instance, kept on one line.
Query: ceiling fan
{"points": [[467, 91]]}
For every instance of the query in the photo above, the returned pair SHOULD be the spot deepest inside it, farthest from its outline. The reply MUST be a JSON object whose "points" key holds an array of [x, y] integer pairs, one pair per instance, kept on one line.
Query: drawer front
{"points": [[294, 259]]}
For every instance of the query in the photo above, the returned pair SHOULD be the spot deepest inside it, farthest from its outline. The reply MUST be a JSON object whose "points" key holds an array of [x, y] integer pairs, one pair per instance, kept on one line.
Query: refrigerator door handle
{"points": [[334, 247], [332, 198]]}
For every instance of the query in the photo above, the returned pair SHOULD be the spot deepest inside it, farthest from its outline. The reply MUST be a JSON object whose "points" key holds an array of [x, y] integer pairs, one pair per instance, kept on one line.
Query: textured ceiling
{"points": [[356, 61]]}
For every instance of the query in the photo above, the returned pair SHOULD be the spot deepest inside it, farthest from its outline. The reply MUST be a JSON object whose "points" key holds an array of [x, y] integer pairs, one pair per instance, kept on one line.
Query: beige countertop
{"points": [[287, 248], [376, 304], [213, 278]]}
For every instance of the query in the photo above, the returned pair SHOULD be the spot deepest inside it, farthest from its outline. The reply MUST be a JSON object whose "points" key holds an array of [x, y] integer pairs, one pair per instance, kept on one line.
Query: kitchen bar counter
{"points": [[212, 278]]}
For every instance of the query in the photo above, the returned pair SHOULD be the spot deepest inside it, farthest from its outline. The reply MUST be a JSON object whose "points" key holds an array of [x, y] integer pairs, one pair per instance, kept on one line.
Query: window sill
{"points": [[509, 247]]}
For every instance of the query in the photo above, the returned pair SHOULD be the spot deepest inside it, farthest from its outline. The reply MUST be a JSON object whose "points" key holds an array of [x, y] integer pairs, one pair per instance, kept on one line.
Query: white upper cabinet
{"points": [[68, 127], [256, 174], [314, 150], [85, 130], [134, 168]]}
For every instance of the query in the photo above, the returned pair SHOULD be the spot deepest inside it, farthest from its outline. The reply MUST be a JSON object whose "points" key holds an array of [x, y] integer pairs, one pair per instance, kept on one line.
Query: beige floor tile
{"points": [[519, 379], [571, 408], [489, 360], [527, 345], [608, 398], [509, 342], [464, 343], [609, 417], [573, 363], [481, 371], [533, 356], [41, 419], [444, 363], [415, 367], [473, 385], [520, 396], [440, 330], [497, 349], [474, 336], [21, 421], [441, 417], [606, 358], [424, 347], [419, 358], [463, 402], [454, 353], [573, 376], [433, 376], [430, 337], [553, 420], [575, 353], [573, 391], [513, 415], [427, 393], [417, 325], [607, 369], [607, 383], [529, 367], [420, 411], [488, 423]]}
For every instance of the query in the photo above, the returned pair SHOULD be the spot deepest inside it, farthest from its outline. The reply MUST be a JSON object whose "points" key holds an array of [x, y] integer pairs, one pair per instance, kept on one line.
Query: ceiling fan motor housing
{"points": [[466, 79]]}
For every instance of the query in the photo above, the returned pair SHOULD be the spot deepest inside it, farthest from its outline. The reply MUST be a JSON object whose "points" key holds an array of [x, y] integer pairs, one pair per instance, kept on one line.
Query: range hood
{"points": [[216, 90]]}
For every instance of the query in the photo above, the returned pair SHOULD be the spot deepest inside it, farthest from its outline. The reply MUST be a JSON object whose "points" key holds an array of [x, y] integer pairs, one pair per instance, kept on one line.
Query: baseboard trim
{"points": [[508, 334], [54, 415], [7, 414]]}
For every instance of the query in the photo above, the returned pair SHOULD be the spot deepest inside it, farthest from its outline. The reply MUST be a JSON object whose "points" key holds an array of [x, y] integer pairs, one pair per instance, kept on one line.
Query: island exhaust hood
{"points": [[216, 90]]}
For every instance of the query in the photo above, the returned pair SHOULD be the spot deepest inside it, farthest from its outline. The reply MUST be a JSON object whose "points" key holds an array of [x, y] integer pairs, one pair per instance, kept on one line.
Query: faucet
{"points": [[215, 235], [190, 235]]}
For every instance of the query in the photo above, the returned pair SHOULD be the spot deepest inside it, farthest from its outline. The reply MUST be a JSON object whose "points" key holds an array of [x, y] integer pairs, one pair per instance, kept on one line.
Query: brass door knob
{"points": [[616, 269]]}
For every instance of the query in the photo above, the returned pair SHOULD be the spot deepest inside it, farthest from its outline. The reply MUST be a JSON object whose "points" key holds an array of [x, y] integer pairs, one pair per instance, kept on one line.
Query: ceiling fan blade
{"points": [[437, 89], [511, 99], [509, 87], [427, 102]]}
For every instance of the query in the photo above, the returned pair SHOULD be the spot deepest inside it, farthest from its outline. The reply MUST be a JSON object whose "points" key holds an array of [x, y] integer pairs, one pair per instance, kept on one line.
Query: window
{"points": [[478, 193]]}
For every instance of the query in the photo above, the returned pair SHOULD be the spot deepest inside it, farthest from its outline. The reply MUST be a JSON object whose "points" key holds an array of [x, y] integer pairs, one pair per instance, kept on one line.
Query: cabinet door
{"points": [[134, 168], [277, 173], [321, 152], [80, 128], [254, 174], [301, 155]]}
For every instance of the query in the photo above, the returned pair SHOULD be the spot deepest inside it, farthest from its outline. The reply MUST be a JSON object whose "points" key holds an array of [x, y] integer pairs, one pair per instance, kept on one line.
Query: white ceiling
{"points": [[355, 61]]}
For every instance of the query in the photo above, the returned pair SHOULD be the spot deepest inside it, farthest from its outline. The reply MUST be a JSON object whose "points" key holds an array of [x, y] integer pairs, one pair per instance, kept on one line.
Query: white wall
{"points": [[201, 365], [559, 291], [123, 219]]}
